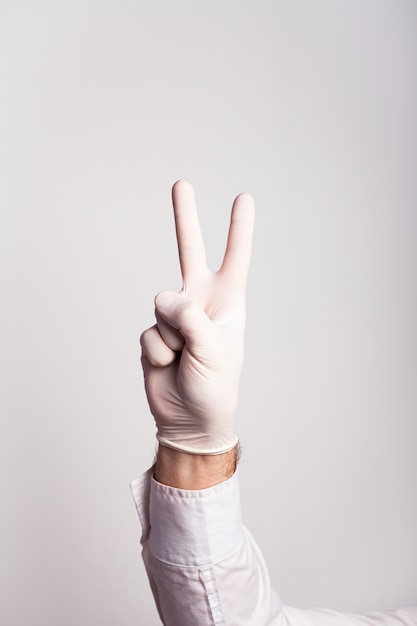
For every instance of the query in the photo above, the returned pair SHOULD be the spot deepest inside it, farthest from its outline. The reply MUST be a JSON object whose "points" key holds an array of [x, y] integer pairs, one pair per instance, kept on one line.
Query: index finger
{"points": [[191, 249], [239, 241]]}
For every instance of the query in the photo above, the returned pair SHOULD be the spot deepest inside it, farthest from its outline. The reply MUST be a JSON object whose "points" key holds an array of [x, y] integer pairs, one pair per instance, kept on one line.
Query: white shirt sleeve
{"points": [[205, 568]]}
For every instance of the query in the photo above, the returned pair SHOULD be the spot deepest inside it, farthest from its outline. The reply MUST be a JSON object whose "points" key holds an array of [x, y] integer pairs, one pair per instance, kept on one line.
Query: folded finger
{"points": [[154, 348], [171, 336], [189, 318]]}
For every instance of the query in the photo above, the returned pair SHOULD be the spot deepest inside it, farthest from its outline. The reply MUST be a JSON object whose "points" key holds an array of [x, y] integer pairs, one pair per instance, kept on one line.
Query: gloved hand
{"points": [[193, 356]]}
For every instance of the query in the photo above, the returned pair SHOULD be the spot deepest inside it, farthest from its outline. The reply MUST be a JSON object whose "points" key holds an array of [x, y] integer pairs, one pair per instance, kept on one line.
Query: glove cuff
{"points": [[184, 448]]}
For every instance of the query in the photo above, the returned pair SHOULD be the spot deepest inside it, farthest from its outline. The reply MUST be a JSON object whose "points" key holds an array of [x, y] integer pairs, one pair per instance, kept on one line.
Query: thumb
{"points": [[188, 317]]}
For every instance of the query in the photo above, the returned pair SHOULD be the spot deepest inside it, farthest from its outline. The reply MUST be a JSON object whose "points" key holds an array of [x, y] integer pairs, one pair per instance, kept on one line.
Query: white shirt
{"points": [[205, 568]]}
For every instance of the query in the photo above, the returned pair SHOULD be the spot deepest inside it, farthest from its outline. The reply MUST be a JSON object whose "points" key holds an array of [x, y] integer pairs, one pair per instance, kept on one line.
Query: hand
{"points": [[192, 358]]}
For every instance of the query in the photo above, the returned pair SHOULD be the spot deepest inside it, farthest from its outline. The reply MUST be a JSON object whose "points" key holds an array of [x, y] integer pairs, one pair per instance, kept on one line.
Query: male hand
{"points": [[193, 356]]}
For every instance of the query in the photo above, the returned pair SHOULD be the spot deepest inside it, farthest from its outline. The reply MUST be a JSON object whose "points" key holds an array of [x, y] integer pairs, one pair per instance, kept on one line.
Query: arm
{"points": [[203, 565], [200, 561]]}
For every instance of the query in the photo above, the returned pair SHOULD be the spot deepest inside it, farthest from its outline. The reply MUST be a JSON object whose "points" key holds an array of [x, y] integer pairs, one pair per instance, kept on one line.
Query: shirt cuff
{"points": [[189, 527]]}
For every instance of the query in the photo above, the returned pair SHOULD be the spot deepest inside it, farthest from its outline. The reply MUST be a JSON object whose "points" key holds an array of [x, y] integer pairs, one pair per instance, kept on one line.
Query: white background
{"points": [[310, 106]]}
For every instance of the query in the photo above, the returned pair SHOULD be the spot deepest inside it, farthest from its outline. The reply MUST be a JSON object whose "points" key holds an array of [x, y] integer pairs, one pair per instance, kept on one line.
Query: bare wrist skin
{"points": [[193, 471]]}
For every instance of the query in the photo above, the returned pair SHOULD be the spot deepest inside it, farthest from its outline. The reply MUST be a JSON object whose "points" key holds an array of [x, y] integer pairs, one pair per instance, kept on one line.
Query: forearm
{"points": [[193, 471], [203, 567]]}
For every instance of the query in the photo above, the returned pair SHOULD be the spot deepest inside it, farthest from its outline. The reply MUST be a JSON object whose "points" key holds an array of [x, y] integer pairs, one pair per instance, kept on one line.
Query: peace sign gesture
{"points": [[192, 358]]}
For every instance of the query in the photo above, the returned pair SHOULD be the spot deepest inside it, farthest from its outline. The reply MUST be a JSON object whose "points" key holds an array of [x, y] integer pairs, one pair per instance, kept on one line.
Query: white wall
{"points": [[311, 106]]}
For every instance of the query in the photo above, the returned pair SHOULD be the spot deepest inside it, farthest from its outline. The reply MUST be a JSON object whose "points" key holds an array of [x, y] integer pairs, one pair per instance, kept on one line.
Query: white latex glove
{"points": [[192, 358]]}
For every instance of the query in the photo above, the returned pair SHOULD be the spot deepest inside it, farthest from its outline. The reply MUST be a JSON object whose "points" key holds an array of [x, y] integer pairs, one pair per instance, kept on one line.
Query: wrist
{"points": [[182, 470]]}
